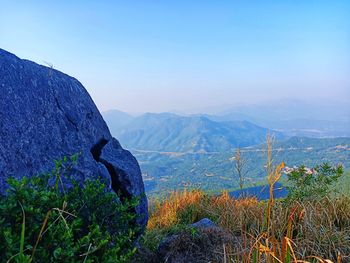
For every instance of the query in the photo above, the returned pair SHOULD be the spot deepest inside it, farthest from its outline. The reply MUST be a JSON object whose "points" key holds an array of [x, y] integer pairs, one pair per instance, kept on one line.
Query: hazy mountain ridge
{"points": [[294, 117], [177, 152], [319, 119], [171, 132], [116, 119]]}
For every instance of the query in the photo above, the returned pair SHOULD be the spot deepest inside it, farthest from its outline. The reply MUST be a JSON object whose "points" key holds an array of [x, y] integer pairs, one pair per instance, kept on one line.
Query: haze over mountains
{"points": [[195, 148], [174, 133], [237, 126], [296, 117]]}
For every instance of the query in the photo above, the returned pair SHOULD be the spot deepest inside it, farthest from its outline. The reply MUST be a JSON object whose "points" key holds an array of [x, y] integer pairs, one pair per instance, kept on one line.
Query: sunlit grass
{"points": [[275, 230], [308, 231]]}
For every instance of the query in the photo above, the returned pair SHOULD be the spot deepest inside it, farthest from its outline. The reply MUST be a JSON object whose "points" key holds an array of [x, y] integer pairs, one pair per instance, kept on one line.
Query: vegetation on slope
{"points": [[172, 133], [213, 172], [312, 224], [40, 221]]}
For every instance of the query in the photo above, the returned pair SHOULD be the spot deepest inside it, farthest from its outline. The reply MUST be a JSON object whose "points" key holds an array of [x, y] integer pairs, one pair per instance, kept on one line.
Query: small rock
{"points": [[203, 223]]}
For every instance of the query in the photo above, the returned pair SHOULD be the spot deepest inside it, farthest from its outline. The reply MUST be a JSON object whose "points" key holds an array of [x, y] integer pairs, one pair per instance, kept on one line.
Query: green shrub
{"points": [[306, 184], [42, 222]]}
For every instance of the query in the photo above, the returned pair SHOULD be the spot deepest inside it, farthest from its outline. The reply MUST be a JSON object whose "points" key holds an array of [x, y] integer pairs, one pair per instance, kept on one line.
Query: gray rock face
{"points": [[203, 223], [45, 115]]}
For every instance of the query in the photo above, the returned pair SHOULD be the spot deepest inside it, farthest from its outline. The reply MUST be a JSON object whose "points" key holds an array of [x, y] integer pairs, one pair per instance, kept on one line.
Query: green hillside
{"points": [[164, 171], [173, 133]]}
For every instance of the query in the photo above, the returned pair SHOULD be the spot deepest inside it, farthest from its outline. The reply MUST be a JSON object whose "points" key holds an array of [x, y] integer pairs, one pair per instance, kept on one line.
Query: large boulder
{"points": [[45, 115]]}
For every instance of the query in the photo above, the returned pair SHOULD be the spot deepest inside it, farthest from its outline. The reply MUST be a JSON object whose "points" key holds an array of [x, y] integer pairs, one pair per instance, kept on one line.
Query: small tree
{"points": [[240, 167], [305, 184]]}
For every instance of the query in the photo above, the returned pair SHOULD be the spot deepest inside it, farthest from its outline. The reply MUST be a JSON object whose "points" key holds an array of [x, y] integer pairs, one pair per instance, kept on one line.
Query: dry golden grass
{"points": [[165, 214], [310, 231], [268, 231]]}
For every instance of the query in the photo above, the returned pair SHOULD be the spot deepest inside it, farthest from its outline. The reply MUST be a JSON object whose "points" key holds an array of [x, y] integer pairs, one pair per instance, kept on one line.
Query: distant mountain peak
{"points": [[174, 133]]}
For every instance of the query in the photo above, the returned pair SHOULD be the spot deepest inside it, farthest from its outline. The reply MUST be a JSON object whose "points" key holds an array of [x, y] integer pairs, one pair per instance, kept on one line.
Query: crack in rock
{"points": [[115, 173], [65, 115]]}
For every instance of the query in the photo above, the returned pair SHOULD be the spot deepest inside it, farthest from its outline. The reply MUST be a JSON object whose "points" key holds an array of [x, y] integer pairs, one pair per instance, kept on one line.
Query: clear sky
{"points": [[162, 55]]}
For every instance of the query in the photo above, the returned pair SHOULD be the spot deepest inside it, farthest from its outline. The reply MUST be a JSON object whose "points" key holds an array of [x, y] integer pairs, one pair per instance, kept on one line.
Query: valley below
{"points": [[178, 152], [164, 172]]}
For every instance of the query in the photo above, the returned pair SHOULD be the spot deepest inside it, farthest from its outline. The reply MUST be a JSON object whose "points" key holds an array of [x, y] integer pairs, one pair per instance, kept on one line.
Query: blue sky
{"points": [[163, 55]]}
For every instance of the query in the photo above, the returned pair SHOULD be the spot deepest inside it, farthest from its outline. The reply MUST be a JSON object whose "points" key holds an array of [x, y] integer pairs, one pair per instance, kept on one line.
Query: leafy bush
{"points": [[42, 222], [312, 184]]}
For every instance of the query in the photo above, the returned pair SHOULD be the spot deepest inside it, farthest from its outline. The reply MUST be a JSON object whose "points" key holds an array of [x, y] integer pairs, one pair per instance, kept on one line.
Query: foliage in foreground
{"points": [[312, 184], [42, 222], [311, 226]]}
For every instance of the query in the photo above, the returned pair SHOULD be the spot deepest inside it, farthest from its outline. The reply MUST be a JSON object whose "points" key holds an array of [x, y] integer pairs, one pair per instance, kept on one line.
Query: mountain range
{"points": [[195, 150], [206, 131], [317, 119], [173, 133]]}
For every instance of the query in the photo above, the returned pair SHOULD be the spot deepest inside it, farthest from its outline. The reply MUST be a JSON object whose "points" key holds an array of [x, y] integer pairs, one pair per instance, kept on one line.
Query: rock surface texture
{"points": [[203, 223], [46, 115]]}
